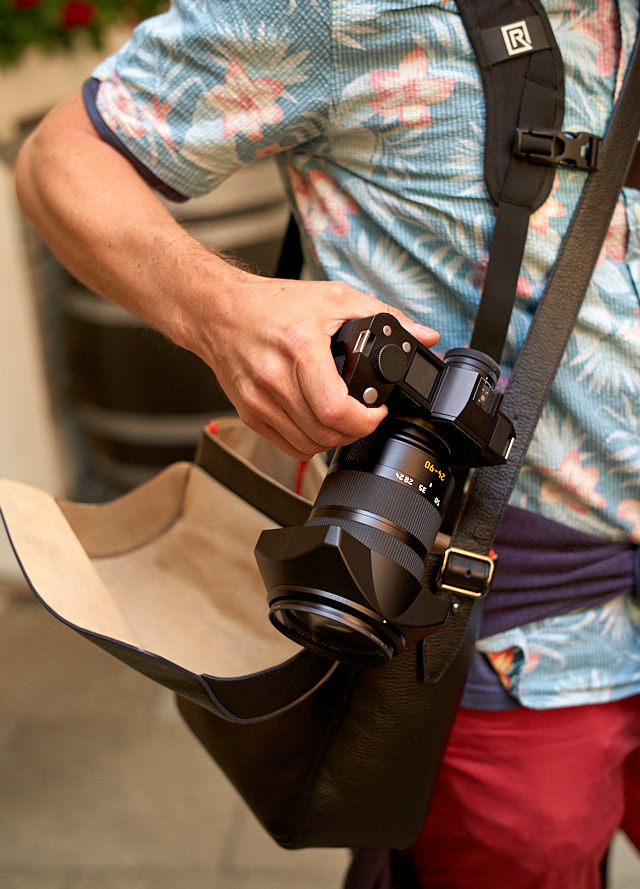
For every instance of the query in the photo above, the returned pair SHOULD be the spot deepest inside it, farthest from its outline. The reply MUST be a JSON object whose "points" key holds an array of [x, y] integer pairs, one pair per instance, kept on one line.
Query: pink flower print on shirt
{"points": [[408, 92], [322, 204], [573, 484], [603, 27], [157, 114], [523, 287], [629, 511], [118, 108], [270, 150], [246, 105], [633, 331], [615, 243], [504, 664]]}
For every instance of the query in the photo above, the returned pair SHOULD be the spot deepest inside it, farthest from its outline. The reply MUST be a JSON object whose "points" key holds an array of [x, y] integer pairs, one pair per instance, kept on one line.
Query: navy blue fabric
{"points": [[544, 569], [483, 689], [89, 94]]}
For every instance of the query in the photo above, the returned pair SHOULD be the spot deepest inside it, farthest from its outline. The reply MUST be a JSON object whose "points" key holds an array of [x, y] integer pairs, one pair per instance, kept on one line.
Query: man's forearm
{"points": [[109, 228], [267, 340]]}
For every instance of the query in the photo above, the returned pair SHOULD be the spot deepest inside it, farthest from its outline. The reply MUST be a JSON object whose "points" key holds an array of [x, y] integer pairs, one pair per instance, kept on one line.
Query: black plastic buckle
{"points": [[554, 148], [468, 574]]}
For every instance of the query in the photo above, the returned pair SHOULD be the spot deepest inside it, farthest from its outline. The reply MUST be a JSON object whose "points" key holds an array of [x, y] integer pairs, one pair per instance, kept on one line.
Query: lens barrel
{"points": [[387, 492]]}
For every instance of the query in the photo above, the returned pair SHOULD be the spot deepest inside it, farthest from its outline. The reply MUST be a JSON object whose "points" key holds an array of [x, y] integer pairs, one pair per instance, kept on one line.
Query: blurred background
{"points": [[101, 785]]}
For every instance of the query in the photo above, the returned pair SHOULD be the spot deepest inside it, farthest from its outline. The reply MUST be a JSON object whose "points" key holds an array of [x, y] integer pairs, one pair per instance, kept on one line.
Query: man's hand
{"points": [[269, 342]]}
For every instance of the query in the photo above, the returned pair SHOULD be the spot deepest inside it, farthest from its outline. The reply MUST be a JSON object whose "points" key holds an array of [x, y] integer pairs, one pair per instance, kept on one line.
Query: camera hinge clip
{"points": [[465, 573]]}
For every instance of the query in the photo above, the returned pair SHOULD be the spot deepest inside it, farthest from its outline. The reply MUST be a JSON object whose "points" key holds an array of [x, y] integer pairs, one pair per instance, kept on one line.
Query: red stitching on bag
{"points": [[302, 467]]}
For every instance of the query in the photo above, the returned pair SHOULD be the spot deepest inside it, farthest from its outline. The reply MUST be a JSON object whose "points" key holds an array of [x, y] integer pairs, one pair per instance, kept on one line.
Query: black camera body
{"points": [[380, 361], [348, 583]]}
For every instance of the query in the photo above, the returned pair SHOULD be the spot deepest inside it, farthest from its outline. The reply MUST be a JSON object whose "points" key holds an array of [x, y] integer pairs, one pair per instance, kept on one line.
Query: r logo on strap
{"points": [[514, 39], [517, 38]]}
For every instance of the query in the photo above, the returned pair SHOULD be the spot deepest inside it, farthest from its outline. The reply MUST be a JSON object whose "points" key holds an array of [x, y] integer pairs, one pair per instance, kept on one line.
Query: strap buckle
{"points": [[554, 148], [468, 574]]}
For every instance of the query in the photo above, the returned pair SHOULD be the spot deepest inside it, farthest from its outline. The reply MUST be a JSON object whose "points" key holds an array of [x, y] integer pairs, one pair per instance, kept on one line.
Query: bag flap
{"points": [[168, 568]]}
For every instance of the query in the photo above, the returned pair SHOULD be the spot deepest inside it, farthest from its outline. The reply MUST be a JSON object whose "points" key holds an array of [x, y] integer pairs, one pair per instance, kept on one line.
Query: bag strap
{"points": [[239, 475], [491, 487], [633, 174]]}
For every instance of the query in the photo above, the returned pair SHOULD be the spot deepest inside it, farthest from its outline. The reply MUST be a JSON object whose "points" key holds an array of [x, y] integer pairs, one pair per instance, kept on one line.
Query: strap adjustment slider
{"points": [[465, 573], [554, 148]]}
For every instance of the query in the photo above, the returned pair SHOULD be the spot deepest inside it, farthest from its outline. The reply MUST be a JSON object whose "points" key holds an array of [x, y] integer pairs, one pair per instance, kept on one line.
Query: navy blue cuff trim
{"points": [[89, 94]]}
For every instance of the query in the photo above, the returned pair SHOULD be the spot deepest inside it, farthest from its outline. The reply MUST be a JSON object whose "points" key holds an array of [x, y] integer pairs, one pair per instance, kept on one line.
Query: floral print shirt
{"points": [[375, 111]]}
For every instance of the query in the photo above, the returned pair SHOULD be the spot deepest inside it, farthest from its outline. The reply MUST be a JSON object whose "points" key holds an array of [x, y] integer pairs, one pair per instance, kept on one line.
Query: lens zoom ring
{"points": [[384, 497]]}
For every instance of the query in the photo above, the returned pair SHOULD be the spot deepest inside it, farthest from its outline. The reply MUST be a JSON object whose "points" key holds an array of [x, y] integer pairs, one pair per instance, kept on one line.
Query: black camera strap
{"points": [[523, 77], [464, 572], [523, 80]]}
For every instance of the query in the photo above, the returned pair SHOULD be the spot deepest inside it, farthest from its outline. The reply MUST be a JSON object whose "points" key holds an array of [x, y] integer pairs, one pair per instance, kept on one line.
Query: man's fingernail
{"points": [[426, 331]]}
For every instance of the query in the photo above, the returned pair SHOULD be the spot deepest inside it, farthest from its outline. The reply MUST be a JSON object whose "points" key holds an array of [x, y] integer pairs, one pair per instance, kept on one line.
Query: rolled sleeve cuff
{"points": [[89, 94]]}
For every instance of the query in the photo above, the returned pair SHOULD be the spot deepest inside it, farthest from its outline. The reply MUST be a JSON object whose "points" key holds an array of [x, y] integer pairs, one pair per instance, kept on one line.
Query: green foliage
{"points": [[54, 25]]}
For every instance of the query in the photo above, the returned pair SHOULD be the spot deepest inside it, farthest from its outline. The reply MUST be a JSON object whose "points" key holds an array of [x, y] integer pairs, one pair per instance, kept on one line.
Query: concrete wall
{"points": [[29, 445]]}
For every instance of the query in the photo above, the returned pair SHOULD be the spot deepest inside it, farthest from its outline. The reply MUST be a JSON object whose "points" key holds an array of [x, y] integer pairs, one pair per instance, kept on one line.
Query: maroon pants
{"points": [[531, 799]]}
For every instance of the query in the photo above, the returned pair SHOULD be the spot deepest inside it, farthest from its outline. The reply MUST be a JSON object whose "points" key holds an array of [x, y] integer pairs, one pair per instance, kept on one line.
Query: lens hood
{"points": [[330, 592]]}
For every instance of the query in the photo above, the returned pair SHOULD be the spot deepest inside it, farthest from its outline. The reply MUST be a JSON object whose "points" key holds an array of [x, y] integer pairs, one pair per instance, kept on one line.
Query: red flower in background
{"points": [[54, 25], [77, 14]]}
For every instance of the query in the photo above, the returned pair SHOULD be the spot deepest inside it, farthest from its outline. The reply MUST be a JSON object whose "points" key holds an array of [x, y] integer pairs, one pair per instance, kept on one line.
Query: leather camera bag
{"points": [[164, 578]]}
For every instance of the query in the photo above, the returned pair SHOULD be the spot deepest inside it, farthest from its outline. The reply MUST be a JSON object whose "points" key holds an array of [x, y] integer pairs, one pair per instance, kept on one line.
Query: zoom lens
{"points": [[389, 492]]}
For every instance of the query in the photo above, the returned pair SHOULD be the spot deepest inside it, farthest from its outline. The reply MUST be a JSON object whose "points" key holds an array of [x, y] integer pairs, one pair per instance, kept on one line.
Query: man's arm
{"points": [[267, 340]]}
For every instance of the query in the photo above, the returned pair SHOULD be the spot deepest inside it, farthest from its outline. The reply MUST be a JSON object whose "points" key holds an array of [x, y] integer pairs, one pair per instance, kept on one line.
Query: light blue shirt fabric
{"points": [[375, 111]]}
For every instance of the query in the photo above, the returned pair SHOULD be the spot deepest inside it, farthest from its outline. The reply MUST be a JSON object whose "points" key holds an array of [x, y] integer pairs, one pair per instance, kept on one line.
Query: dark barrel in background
{"points": [[137, 402], [140, 401]]}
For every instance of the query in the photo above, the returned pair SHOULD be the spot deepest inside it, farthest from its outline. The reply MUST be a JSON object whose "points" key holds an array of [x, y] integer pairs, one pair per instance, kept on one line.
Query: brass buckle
{"points": [[460, 573]]}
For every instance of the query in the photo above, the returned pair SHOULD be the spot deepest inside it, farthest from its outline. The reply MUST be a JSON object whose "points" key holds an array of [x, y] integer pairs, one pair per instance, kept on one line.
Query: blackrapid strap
{"points": [[523, 81], [523, 77], [490, 487], [522, 73]]}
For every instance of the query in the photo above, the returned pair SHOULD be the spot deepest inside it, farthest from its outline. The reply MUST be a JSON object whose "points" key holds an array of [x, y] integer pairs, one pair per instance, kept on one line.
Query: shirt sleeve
{"points": [[89, 93], [211, 85]]}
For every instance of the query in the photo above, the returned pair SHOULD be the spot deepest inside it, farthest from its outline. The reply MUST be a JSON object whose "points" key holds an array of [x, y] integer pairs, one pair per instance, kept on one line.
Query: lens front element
{"points": [[334, 632]]}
